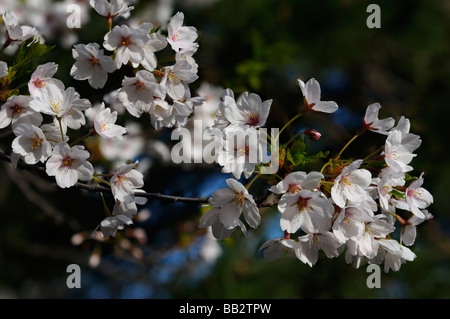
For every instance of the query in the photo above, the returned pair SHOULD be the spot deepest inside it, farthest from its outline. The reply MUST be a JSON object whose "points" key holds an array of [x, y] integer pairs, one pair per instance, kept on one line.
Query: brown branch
{"points": [[98, 189]]}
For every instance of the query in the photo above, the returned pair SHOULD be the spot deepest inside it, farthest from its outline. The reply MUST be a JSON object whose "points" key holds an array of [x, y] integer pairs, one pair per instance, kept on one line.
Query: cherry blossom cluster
{"points": [[349, 207], [42, 120], [366, 208]]}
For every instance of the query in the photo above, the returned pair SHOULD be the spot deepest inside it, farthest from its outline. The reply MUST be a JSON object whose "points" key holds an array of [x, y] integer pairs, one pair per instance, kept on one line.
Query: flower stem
{"points": [[60, 128], [345, 146], [288, 123], [294, 137], [249, 184], [109, 22], [105, 207], [373, 153], [325, 165], [97, 179], [91, 132]]}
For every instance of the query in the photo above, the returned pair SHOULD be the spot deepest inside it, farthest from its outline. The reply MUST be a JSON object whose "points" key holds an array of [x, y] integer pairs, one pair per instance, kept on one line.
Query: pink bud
{"points": [[312, 134]]}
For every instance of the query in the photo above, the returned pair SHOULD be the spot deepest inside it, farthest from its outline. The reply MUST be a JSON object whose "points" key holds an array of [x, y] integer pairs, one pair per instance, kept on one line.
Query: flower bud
{"points": [[312, 134]]}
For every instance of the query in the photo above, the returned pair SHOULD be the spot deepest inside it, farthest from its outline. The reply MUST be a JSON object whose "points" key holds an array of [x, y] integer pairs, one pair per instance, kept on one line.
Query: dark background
{"points": [[261, 46]]}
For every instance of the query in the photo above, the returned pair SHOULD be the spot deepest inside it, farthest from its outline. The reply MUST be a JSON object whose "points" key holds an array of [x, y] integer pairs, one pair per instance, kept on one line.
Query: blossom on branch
{"points": [[124, 182], [69, 165], [91, 64], [311, 93], [31, 143], [17, 110], [104, 123]]}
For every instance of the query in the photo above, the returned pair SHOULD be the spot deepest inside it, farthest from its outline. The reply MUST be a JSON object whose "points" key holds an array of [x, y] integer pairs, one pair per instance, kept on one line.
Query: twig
{"points": [[94, 188]]}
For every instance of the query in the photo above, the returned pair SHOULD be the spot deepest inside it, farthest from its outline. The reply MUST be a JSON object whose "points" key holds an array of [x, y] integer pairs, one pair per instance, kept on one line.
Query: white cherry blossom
{"points": [[242, 151], [54, 101], [112, 8], [212, 95], [393, 254], [305, 210], [52, 132], [129, 209], [17, 110], [367, 245], [181, 38], [350, 223], [385, 185], [350, 184], [155, 42], [127, 43], [182, 109], [104, 123], [251, 110], [188, 56], [396, 154], [312, 93], [74, 118], [233, 201], [176, 79], [91, 64], [42, 77], [372, 123], [409, 140], [221, 121], [31, 144], [296, 181], [137, 92], [69, 165], [110, 225], [277, 247], [409, 231], [417, 197], [15, 31], [308, 246], [160, 113], [125, 181], [211, 218]]}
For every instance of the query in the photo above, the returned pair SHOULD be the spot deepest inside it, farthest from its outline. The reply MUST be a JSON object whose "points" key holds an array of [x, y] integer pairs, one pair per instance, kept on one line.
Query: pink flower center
{"points": [[38, 83], [35, 142], [93, 61], [294, 188], [67, 162], [175, 37], [413, 193], [303, 203], [253, 119], [120, 179], [239, 198], [139, 85], [16, 109], [125, 41]]}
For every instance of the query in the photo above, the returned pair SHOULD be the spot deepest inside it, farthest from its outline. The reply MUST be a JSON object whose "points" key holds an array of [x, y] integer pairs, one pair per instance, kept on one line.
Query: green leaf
{"points": [[397, 193], [26, 55], [155, 29], [289, 157], [299, 146], [305, 159], [409, 177]]}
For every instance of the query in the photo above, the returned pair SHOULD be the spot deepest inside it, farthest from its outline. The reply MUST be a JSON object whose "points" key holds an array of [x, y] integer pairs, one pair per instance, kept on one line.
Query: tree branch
{"points": [[97, 189]]}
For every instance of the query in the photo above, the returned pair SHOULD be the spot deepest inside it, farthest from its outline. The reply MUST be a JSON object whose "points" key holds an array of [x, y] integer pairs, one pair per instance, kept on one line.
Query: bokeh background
{"points": [[261, 46]]}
